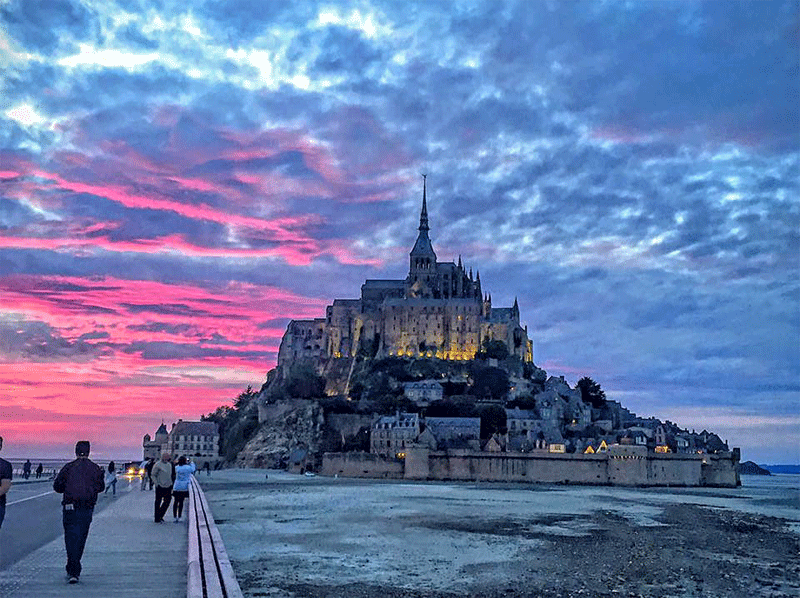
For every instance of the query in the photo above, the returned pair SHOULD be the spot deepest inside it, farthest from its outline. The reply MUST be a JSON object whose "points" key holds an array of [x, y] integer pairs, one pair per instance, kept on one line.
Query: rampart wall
{"points": [[361, 465], [626, 466]]}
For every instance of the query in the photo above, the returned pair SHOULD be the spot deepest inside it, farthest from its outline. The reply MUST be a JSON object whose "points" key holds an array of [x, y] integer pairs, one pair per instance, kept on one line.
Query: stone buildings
{"points": [[438, 310], [423, 392], [196, 440]]}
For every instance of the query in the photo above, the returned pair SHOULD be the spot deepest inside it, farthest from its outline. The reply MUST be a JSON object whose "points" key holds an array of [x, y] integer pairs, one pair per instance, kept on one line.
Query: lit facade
{"points": [[198, 441], [439, 310]]}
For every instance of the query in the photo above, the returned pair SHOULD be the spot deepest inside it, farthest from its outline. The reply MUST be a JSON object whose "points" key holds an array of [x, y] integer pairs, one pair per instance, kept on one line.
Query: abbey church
{"points": [[438, 310]]}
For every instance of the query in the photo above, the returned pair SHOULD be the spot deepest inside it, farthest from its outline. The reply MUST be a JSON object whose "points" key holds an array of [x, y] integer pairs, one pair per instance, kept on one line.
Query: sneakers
{"points": [[72, 580]]}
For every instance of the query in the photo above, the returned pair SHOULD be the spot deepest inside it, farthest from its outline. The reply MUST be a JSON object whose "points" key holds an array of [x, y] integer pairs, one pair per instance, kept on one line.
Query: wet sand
{"points": [[295, 536]]}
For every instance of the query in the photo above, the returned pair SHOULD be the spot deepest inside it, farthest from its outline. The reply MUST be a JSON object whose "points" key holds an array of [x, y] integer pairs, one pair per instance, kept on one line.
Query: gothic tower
{"points": [[422, 257]]}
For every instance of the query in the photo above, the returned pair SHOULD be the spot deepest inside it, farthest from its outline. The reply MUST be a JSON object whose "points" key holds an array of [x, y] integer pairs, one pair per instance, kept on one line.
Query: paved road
{"points": [[127, 555], [33, 517]]}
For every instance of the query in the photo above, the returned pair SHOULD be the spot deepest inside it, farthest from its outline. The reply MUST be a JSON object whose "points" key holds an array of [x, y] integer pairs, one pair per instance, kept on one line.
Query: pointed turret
{"points": [[423, 215], [423, 258]]}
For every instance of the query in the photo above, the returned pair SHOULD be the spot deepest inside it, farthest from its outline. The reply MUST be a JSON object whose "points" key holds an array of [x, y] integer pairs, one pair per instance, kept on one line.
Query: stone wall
{"points": [[717, 470], [632, 466], [361, 465], [349, 424]]}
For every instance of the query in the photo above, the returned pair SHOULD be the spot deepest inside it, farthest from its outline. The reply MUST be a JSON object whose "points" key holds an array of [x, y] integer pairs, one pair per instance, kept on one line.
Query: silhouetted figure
{"points": [[80, 481], [148, 469], [111, 478], [26, 469], [6, 474], [39, 471], [143, 473]]}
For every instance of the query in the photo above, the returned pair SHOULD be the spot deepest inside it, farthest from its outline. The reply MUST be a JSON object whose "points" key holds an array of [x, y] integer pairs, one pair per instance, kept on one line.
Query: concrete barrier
{"points": [[209, 573]]}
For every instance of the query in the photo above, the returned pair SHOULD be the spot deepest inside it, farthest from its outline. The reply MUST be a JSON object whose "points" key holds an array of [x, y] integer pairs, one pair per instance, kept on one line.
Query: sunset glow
{"points": [[178, 181]]}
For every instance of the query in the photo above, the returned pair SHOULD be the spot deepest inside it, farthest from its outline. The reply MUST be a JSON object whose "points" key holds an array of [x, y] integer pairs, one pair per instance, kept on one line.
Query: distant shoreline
{"points": [[791, 469]]}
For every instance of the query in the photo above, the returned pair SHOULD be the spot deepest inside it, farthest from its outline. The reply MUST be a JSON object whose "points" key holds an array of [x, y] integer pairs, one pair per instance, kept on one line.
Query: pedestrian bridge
{"points": [[127, 555]]}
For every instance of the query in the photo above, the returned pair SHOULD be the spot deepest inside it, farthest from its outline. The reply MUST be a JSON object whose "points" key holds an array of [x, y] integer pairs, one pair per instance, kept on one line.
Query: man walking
{"points": [[148, 469], [79, 481], [163, 475], [143, 473], [6, 473]]}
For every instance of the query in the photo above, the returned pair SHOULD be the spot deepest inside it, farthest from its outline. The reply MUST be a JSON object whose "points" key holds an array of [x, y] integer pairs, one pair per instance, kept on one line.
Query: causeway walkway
{"points": [[127, 556]]}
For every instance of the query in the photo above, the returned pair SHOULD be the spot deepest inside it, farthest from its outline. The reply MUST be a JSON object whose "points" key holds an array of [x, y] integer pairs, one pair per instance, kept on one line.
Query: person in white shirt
{"points": [[180, 490]]}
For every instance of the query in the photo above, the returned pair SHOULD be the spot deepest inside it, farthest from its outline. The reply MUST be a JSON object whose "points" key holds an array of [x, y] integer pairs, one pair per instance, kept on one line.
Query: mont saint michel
{"points": [[424, 378], [439, 310]]}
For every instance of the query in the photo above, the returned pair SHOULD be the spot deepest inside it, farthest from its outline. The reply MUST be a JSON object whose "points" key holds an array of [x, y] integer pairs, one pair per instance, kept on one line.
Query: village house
{"points": [[391, 434], [198, 441], [423, 392]]}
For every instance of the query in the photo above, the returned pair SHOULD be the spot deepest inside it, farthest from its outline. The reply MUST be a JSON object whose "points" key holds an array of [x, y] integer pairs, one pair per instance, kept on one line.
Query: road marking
{"points": [[29, 498]]}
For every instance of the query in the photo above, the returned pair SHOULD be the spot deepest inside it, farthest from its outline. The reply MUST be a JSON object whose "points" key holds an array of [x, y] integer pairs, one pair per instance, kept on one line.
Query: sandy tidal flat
{"points": [[295, 536]]}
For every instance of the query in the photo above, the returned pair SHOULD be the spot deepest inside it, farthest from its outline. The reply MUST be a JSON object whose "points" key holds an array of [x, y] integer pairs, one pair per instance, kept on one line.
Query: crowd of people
{"points": [[82, 480]]}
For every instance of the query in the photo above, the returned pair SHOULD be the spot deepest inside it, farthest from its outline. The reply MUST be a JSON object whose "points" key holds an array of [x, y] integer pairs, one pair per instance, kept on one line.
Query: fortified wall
{"points": [[620, 466]]}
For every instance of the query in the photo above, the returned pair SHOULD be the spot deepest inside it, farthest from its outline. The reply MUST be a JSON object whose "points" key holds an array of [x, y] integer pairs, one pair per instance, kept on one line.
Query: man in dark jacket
{"points": [[79, 481]]}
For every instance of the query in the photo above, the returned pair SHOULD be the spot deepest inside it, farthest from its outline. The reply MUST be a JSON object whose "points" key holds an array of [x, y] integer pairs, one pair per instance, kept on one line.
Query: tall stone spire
{"points": [[423, 216], [423, 258]]}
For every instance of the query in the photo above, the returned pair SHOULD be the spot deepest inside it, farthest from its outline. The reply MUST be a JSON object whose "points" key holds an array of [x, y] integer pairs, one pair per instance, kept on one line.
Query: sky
{"points": [[178, 180]]}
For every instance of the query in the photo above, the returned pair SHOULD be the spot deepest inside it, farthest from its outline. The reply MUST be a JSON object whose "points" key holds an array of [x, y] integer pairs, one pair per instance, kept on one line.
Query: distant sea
{"points": [[782, 468], [49, 465]]}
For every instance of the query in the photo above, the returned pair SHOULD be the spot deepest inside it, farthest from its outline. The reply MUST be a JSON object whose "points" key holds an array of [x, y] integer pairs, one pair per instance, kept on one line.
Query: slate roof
{"points": [[518, 413], [451, 427], [378, 283], [195, 428]]}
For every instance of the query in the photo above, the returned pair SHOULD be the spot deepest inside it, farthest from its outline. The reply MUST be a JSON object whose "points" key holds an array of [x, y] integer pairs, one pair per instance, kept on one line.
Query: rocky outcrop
{"points": [[287, 425], [750, 468]]}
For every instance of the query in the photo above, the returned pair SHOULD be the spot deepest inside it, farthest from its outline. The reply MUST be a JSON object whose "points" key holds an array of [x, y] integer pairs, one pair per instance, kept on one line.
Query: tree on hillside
{"points": [[489, 382], [394, 367], [244, 398], [304, 383], [448, 408], [388, 404], [591, 392], [236, 424], [493, 349], [524, 401], [493, 420]]}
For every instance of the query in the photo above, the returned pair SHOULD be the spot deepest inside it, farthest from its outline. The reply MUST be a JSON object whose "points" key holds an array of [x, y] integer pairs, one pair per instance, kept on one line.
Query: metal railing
{"points": [[209, 574]]}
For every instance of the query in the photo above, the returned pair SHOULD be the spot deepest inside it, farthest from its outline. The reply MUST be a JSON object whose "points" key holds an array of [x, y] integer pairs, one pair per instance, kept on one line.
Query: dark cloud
{"points": [[273, 323], [238, 22], [134, 36], [177, 309], [37, 341], [155, 351], [178, 329], [345, 51], [42, 26], [14, 213]]}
